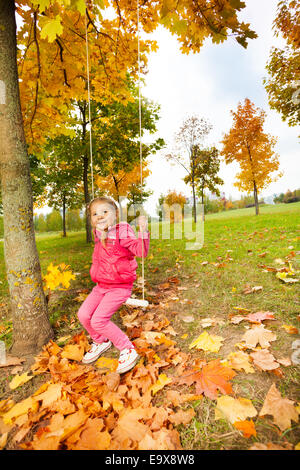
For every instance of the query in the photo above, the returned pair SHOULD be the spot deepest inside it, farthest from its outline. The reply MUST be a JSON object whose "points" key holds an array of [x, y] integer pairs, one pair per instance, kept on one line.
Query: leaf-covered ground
{"points": [[218, 349]]}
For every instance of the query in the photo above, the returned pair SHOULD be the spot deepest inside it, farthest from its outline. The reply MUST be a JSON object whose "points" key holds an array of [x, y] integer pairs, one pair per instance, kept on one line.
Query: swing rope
{"points": [[130, 301], [89, 103]]}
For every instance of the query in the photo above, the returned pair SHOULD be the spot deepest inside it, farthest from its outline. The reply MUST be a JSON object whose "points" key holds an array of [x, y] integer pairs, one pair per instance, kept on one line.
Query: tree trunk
{"points": [[64, 216], [255, 198], [31, 327], [194, 201]]}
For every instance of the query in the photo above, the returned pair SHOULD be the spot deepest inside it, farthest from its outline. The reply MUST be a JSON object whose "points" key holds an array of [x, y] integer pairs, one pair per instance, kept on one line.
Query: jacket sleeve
{"points": [[138, 246]]}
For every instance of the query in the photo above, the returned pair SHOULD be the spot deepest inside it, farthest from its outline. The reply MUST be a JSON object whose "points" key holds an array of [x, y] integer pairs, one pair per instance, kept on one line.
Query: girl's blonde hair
{"points": [[106, 200]]}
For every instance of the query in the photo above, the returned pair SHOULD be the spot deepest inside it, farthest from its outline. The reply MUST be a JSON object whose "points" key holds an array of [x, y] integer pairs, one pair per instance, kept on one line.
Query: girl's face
{"points": [[102, 215]]}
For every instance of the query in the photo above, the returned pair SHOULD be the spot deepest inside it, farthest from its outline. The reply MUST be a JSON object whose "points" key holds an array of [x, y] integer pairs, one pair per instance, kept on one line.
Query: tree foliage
{"points": [[248, 144], [283, 82], [207, 166]]}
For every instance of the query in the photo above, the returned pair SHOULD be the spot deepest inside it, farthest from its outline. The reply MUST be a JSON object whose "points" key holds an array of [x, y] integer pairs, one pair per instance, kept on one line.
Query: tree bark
{"points": [[255, 198], [31, 326], [64, 216]]}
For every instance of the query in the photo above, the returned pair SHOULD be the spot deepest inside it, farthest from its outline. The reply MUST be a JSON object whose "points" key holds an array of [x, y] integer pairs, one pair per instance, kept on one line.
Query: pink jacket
{"points": [[114, 265]]}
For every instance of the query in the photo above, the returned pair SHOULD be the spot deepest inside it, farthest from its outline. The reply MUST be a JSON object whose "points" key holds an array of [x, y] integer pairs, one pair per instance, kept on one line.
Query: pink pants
{"points": [[96, 311]]}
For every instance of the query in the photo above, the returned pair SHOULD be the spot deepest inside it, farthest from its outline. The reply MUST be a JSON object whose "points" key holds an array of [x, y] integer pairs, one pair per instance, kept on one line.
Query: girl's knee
{"points": [[99, 323]]}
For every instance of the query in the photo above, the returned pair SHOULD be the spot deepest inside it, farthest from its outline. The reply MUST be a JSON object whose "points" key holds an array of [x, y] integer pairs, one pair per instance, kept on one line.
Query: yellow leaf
{"points": [[240, 360], [19, 380], [107, 363], [184, 336], [160, 383], [207, 342], [20, 409], [52, 27], [234, 409], [292, 330]]}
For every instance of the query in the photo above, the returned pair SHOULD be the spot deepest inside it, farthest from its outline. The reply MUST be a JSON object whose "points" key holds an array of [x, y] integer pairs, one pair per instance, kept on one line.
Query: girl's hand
{"points": [[143, 223]]}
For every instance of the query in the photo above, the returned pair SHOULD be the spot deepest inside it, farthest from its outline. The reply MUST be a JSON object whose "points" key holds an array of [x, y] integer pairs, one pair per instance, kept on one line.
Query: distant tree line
{"points": [[289, 196]]}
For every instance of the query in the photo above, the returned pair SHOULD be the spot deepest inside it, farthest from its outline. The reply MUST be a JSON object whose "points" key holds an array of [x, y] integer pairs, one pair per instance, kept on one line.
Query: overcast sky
{"points": [[210, 84]]}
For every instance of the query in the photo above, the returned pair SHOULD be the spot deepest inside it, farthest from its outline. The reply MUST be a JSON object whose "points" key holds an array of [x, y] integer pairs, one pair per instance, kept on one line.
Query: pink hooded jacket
{"points": [[114, 265]]}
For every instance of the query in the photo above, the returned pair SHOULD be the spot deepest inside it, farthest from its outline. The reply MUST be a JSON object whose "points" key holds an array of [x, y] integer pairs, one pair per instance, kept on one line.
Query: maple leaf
{"points": [[52, 394], [258, 317], [177, 398], [292, 330], [107, 363], [212, 377], [207, 342], [240, 360], [19, 409], [129, 425], [264, 360], [247, 427], [258, 334], [161, 382], [19, 380], [182, 417], [282, 409], [234, 409]]}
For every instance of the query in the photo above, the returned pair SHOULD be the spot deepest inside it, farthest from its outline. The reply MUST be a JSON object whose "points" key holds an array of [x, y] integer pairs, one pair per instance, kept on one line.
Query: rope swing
{"points": [[131, 301]]}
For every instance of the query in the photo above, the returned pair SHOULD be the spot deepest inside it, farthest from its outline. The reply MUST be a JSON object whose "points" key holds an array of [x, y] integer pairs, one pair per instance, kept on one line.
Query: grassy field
{"points": [[205, 283]]}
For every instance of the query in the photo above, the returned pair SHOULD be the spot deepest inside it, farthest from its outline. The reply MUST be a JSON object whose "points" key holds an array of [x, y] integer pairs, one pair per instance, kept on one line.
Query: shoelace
{"points": [[124, 353]]}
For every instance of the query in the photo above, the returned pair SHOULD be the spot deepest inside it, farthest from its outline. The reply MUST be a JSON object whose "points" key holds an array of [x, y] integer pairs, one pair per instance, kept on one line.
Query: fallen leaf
{"points": [[247, 428], [12, 361], [187, 318], [258, 335], [20, 380], [107, 363], [258, 317], [234, 409], [212, 377], [282, 409], [161, 382], [269, 446], [19, 409], [207, 342], [264, 360], [292, 330], [182, 417], [240, 361], [285, 361], [250, 290]]}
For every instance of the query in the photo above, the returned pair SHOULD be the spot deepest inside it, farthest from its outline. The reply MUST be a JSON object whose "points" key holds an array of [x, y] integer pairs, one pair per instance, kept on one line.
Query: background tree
{"points": [[206, 167], [283, 82], [173, 198], [63, 175], [191, 134], [252, 148]]}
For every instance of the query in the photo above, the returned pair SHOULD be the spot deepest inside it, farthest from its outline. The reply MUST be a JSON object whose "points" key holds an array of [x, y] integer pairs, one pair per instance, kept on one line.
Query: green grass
{"points": [[210, 289]]}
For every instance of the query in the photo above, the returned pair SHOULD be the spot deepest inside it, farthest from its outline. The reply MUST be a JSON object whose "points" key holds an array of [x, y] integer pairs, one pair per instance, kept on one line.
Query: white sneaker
{"points": [[96, 351], [127, 360]]}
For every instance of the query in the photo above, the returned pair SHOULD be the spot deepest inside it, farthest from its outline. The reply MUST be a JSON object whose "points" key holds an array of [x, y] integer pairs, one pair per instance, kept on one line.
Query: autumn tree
{"points": [[248, 144], [120, 184], [173, 205], [52, 72], [187, 144], [283, 82], [207, 166]]}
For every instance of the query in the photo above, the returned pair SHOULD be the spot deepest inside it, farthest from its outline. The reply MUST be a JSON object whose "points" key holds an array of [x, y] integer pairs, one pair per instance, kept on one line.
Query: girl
{"points": [[114, 271]]}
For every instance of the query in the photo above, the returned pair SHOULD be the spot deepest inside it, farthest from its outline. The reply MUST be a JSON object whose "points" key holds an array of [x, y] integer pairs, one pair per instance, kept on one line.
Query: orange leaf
{"points": [[247, 427], [212, 377]]}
